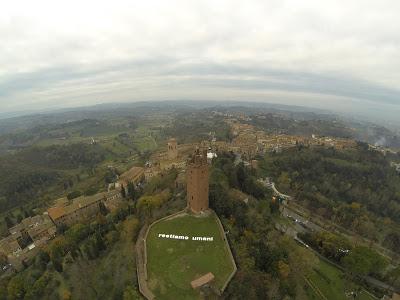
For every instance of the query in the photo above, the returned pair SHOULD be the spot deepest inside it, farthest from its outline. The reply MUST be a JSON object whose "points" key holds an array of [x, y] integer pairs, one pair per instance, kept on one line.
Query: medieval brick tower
{"points": [[197, 182], [172, 149]]}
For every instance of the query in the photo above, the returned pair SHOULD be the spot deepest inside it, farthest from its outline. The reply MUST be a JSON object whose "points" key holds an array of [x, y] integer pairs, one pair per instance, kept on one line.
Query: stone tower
{"points": [[172, 149], [197, 182]]}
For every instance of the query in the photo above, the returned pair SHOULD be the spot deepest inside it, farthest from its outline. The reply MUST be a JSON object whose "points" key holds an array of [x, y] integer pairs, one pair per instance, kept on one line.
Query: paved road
{"points": [[279, 193], [301, 222], [271, 185]]}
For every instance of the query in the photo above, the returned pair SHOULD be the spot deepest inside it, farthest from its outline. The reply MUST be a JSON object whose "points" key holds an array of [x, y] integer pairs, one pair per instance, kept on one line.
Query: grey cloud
{"points": [[206, 74], [331, 51]]}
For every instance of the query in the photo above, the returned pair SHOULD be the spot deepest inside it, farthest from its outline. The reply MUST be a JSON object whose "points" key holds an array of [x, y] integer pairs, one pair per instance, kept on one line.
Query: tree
{"points": [[8, 221], [26, 213], [3, 259], [38, 288], [283, 269], [57, 249], [103, 209], [100, 245], [15, 288], [392, 241], [131, 293], [241, 175], [3, 289], [131, 191], [56, 260], [251, 285], [66, 295], [394, 276], [90, 191], [19, 218], [328, 244], [89, 249], [74, 194], [77, 233], [252, 187], [123, 192], [300, 259], [284, 181], [42, 259], [362, 261]]}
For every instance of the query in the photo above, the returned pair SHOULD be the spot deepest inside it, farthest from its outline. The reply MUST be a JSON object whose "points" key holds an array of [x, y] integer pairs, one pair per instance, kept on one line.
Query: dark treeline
{"points": [[30, 173], [64, 156], [270, 265], [79, 244], [349, 187]]}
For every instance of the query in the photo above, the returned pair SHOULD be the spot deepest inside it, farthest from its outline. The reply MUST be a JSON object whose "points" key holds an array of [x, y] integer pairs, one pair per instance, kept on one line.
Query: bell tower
{"points": [[197, 182], [172, 149]]}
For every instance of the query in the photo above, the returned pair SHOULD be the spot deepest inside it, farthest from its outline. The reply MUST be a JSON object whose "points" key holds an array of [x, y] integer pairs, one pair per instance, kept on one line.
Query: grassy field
{"points": [[330, 281], [173, 264], [144, 139]]}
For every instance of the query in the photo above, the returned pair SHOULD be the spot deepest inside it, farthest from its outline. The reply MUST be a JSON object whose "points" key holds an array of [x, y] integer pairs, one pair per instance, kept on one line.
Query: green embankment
{"points": [[331, 283], [173, 264]]}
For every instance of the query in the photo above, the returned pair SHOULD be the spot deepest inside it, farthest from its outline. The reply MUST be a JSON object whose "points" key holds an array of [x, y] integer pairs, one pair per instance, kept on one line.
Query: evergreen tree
{"points": [[8, 221], [131, 191], [123, 192]]}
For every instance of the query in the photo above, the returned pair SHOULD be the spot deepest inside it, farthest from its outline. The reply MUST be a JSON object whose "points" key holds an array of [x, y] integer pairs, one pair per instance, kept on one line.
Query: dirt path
{"points": [[141, 265]]}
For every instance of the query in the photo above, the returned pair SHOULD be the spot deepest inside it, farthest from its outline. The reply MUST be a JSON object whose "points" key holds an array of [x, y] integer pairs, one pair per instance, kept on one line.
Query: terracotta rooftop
{"points": [[59, 211], [10, 242], [199, 282], [56, 212], [131, 174], [85, 201]]}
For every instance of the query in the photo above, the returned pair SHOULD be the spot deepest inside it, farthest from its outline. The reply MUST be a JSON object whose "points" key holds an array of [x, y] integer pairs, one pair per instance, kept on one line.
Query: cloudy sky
{"points": [[340, 55]]}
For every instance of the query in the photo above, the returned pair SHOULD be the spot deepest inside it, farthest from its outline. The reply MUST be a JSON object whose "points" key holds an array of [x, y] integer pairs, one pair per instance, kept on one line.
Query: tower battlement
{"points": [[172, 149], [199, 158]]}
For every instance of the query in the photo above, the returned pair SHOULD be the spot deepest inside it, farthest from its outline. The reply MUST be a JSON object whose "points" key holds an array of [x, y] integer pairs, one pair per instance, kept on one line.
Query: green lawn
{"points": [[331, 283], [173, 264]]}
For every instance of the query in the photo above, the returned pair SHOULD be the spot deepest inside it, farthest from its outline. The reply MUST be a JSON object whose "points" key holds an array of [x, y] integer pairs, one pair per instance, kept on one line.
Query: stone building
{"points": [[26, 238], [36, 228], [9, 245], [197, 182], [113, 199], [80, 209], [172, 149], [133, 175], [174, 164], [151, 172]]}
